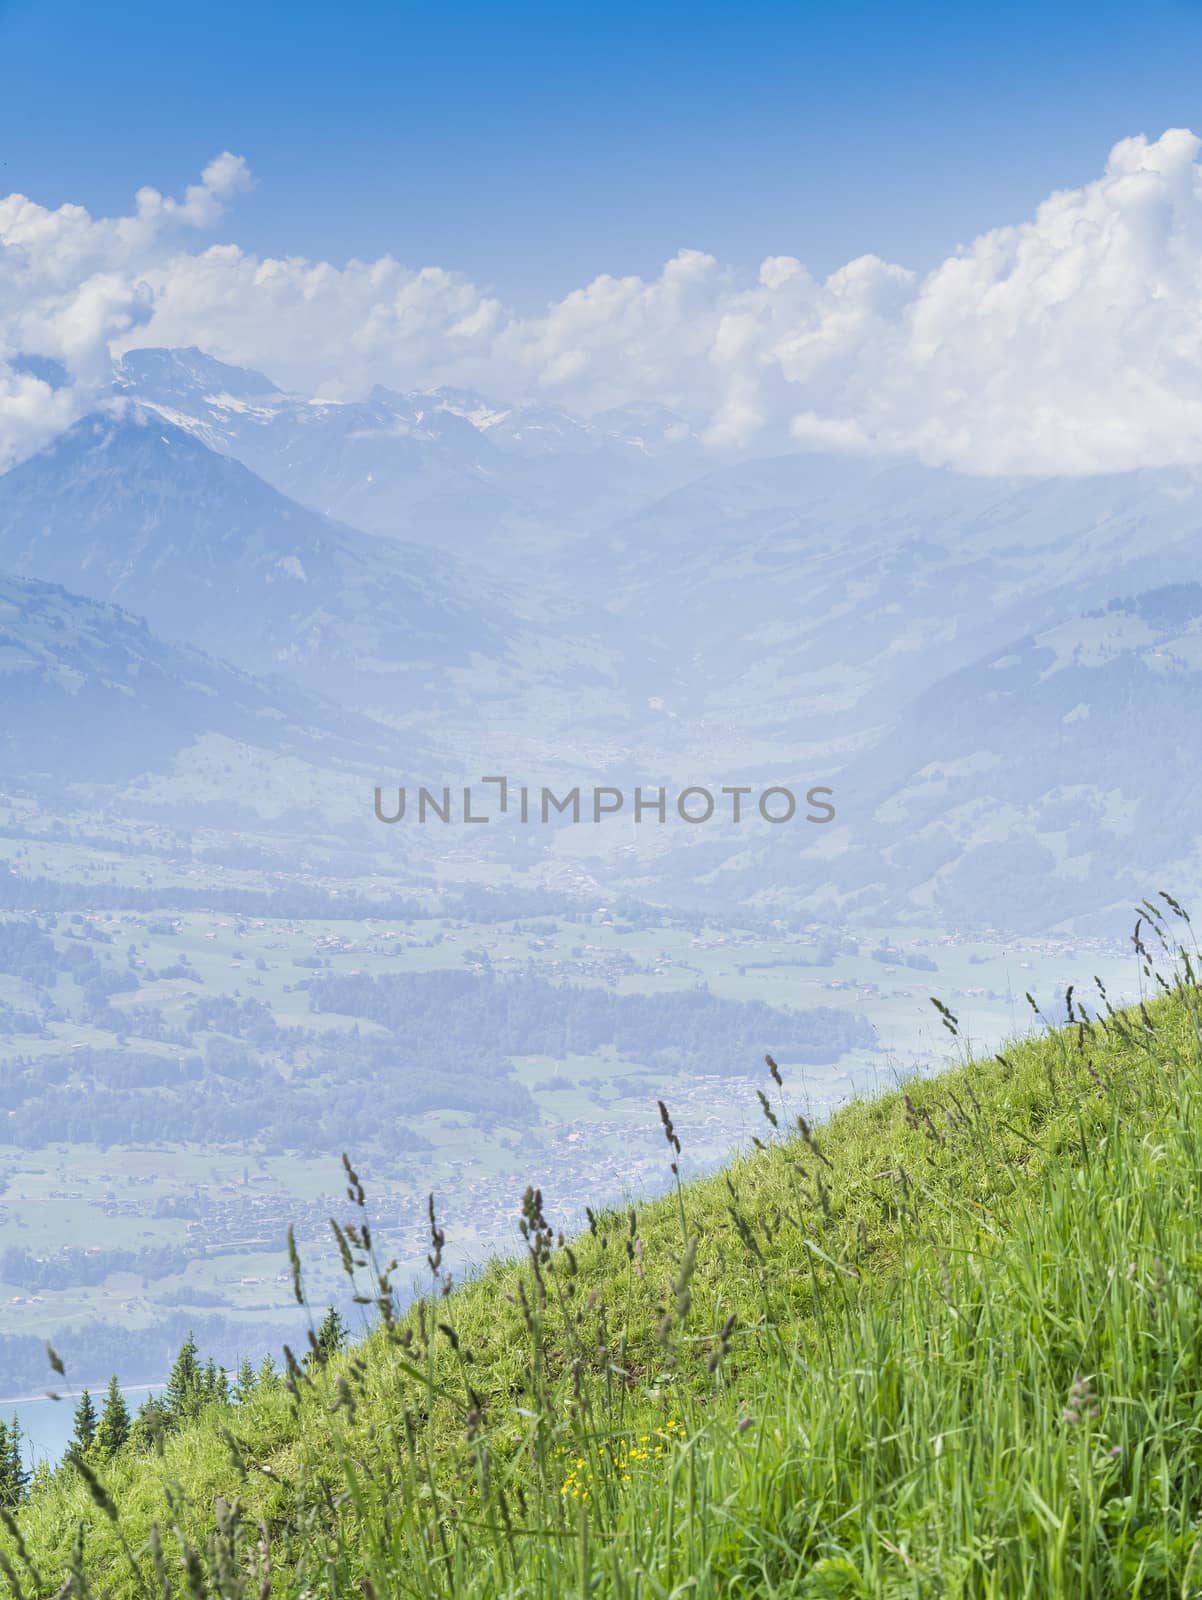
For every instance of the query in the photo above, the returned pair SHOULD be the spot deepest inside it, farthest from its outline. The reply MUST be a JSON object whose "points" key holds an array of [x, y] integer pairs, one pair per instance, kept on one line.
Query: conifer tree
{"points": [[149, 1426], [114, 1426], [214, 1382], [14, 1475], [85, 1426], [184, 1391], [245, 1382], [17, 1470], [331, 1336]]}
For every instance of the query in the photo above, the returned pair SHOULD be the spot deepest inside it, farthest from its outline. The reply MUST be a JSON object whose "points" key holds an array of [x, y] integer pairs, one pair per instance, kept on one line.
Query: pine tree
{"points": [[267, 1373], [114, 1426], [184, 1391], [85, 1426], [214, 1382], [14, 1475], [18, 1471], [149, 1426], [331, 1336], [244, 1383]]}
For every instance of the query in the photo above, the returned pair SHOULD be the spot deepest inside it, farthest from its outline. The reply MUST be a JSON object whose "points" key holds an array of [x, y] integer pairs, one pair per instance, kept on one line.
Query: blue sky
{"points": [[534, 146], [723, 162]]}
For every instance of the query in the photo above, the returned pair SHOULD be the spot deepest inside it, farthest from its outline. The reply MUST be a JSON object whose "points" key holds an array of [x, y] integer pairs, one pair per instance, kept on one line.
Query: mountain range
{"points": [[601, 597], [449, 467]]}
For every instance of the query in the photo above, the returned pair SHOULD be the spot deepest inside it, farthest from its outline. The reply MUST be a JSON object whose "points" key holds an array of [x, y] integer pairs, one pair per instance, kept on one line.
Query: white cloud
{"points": [[1071, 342], [203, 202]]}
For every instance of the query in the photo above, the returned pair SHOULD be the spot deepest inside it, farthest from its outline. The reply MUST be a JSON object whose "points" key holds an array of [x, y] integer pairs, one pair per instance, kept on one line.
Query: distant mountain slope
{"points": [[805, 601], [1052, 779], [1046, 783], [138, 512], [91, 696]]}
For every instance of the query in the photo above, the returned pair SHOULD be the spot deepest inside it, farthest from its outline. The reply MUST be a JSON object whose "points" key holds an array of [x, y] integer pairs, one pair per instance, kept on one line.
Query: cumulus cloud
{"points": [[203, 202], [1070, 342]]}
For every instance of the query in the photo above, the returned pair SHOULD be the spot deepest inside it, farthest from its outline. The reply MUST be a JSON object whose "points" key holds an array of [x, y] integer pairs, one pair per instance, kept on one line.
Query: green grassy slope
{"points": [[947, 1344]]}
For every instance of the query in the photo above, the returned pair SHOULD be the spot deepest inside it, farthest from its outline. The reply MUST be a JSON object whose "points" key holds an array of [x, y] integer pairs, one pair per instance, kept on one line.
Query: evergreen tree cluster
{"points": [[101, 1433], [98, 1436], [192, 1385]]}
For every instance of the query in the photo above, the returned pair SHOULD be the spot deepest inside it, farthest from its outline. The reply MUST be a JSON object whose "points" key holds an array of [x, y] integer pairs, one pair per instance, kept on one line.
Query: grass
{"points": [[948, 1344]]}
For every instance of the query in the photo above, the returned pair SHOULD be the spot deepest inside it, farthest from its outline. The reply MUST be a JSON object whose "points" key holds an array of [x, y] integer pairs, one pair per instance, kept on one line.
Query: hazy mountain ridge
{"points": [[133, 510], [92, 696], [441, 466], [815, 598], [1052, 777]]}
